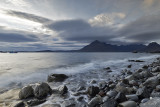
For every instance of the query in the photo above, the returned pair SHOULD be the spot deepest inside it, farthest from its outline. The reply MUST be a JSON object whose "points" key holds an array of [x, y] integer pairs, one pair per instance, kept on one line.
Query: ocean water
{"points": [[19, 69]]}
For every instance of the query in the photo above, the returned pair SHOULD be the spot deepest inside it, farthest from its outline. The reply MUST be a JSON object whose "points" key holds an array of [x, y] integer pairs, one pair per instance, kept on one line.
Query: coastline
{"points": [[135, 88]]}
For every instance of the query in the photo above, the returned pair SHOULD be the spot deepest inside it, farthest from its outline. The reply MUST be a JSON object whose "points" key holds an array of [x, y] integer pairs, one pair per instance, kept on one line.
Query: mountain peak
{"points": [[154, 44]]}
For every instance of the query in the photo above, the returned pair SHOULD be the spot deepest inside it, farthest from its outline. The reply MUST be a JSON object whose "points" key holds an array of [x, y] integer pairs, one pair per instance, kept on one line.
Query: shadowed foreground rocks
{"points": [[140, 88]]}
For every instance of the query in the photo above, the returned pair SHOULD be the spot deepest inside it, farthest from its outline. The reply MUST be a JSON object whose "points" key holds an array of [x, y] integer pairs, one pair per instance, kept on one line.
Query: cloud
{"points": [[13, 37], [105, 19], [144, 29], [27, 16], [80, 30]]}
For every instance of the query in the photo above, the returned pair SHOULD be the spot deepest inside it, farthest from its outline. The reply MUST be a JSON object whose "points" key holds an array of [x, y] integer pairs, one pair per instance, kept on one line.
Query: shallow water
{"points": [[23, 68]]}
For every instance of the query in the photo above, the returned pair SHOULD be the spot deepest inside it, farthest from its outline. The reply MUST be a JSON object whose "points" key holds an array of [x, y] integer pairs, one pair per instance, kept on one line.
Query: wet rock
{"points": [[151, 82], [155, 102], [19, 104], [35, 102], [155, 94], [129, 66], [110, 103], [158, 88], [42, 90], [135, 61], [102, 85], [95, 101], [156, 69], [132, 97], [146, 74], [112, 93], [69, 103], [133, 83], [144, 100], [81, 88], [105, 98], [57, 77], [112, 86], [108, 68], [92, 91], [80, 98], [26, 92], [145, 67], [128, 104], [143, 93], [120, 97], [93, 82], [125, 81], [51, 105], [120, 87], [63, 89], [102, 93]]}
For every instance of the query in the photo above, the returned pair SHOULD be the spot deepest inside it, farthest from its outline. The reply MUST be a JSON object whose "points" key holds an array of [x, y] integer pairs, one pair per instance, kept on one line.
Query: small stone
{"points": [[132, 97], [92, 91], [93, 82], [155, 102], [102, 93], [110, 103], [112, 93], [144, 100], [120, 97], [63, 89], [35, 102], [143, 93], [95, 101], [158, 88], [129, 66], [128, 104]]}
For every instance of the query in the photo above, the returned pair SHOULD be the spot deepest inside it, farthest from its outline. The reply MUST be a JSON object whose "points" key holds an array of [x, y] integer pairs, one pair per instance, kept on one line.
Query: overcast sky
{"points": [[71, 24]]}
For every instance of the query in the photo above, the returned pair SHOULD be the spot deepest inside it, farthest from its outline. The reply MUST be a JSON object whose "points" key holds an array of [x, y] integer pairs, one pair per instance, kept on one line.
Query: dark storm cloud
{"points": [[80, 30], [13, 37], [28, 16], [144, 29]]}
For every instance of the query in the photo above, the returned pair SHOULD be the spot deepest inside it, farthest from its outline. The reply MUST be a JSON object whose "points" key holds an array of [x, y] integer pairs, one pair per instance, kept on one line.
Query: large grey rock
{"points": [[158, 88], [132, 97], [155, 102], [143, 93], [92, 91], [42, 90], [57, 77], [95, 101], [151, 82], [110, 103], [26, 92], [128, 104]]}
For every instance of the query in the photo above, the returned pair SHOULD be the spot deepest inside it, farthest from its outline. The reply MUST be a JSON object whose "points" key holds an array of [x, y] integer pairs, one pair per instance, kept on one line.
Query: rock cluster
{"points": [[130, 89]]}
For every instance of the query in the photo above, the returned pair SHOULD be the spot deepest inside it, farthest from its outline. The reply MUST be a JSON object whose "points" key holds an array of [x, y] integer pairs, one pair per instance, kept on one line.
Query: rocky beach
{"points": [[128, 88]]}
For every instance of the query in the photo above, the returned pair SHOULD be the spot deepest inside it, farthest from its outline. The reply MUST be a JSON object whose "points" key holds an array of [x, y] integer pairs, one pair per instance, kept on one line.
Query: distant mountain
{"points": [[97, 46], [152, 47]]}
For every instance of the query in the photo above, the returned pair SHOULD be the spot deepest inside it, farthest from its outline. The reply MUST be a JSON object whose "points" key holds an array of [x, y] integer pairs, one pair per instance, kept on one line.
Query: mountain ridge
{"points": [[97, 46]]}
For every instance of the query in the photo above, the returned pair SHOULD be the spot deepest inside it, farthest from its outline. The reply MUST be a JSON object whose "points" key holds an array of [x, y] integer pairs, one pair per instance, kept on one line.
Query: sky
{"points": [[27, 25]]}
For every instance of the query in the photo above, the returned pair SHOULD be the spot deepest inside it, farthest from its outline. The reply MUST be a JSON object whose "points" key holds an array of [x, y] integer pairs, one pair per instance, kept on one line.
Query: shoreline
{"points": [[123, 89]]}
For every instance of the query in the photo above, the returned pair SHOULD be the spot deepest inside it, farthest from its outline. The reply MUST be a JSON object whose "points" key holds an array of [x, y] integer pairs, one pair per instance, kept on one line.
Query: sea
{"points": [[20, 69]]}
